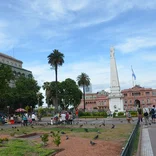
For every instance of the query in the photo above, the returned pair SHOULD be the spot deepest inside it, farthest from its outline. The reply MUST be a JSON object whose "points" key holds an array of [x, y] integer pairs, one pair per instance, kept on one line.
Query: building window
{"points": [[136, 94], [142, 101], [147, 93], [125, 101], [130, 101], [125, 94]]}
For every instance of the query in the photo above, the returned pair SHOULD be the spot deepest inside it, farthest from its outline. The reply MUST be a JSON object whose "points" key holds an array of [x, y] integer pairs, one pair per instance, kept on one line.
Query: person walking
{"points": [[25, 120], [70, 118], [140, 114], [33, 117], [153, 113], [146, 116]]}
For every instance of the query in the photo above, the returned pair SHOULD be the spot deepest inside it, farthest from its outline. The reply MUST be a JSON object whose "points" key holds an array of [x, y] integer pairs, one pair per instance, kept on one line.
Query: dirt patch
{"points": [[27, 135], [77, 146]]}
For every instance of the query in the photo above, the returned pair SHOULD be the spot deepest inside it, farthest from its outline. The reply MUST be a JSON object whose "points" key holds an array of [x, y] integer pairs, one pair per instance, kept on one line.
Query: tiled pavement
{"points": [[146, 147], [148, 140]]}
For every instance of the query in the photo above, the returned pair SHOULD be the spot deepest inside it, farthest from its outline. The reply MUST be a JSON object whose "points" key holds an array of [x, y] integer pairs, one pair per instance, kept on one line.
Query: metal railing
{"points": [[129, 147]]}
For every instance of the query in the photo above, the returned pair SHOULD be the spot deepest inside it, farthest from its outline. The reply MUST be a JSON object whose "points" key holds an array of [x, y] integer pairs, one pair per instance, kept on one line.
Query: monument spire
{"points": [[115, 96], [115, 86]]}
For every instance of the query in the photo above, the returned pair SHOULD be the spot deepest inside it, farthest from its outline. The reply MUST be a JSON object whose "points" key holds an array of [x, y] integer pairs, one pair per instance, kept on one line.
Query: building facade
{"points": [[145, 97], [16, 66], [95, 101]]}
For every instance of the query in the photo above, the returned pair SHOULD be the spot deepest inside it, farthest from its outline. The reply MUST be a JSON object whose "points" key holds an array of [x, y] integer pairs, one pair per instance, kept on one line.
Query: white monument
{"points": [[115, 96]]}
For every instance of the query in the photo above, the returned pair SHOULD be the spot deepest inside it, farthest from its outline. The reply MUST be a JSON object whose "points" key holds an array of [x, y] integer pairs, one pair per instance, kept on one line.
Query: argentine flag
{"points": [[133, 75]]}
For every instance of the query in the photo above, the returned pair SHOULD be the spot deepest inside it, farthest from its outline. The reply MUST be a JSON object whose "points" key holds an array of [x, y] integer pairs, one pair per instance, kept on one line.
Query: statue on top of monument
{"points": [[112, 51]]}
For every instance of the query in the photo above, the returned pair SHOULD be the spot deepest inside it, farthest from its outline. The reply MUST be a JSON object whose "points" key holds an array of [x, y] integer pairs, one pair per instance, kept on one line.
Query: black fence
{"points": [[129, 148]]}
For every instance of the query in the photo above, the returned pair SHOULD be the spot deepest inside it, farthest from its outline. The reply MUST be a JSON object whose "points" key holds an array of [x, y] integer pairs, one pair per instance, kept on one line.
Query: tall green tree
{"points": [[6, 75], [50, 88], [26, 92], [56, 59], [40, 98], [70, 94], [83, 81]]}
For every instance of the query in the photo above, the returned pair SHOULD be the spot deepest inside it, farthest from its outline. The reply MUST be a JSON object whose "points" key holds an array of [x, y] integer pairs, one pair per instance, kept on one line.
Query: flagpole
{"points": [[132, 82], [132, 78]]}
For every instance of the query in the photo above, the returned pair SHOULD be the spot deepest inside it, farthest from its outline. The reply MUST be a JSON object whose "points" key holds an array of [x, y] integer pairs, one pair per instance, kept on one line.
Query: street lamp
{"points": [[31, 110], [8, 107]]}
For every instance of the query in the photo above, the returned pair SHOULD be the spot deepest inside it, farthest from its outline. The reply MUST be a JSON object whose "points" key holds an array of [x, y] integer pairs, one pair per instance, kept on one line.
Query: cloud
{"points": [[136, 43], [97, 71], [6, 42], [149, 57]]}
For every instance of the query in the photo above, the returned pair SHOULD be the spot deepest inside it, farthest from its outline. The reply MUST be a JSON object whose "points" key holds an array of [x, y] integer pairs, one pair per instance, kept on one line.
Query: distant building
{"points": [[145, 97], [16, 66], [95, 101]]}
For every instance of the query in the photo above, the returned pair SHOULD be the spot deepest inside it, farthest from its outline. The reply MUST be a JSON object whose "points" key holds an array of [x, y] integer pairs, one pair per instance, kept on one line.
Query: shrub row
{"points": [[92, 114]]}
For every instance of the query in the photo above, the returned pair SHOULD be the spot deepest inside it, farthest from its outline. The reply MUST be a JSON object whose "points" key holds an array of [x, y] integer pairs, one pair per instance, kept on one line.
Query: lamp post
{"points": [[8, 107], [31, 110]]}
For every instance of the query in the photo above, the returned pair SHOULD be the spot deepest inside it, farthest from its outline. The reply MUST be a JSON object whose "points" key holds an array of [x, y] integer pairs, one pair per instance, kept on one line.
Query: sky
{"points": [[84, 31]]}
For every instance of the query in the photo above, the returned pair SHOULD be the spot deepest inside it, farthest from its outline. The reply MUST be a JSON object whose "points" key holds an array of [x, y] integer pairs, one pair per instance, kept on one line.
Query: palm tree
{"points": [[83, 81], [56, 59]]}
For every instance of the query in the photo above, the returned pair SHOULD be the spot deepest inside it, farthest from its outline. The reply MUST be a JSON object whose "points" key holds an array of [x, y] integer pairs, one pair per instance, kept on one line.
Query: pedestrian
{"points": [[153, 113], [25, 120], [146, 116], [77, 113], [52, 122], [140, 113], [33, 117], [129, 117], [70, 118], [67, 117]]}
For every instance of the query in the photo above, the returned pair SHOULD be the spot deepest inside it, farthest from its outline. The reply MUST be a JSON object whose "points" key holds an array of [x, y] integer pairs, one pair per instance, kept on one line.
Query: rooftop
{"points": [[10, 57]]}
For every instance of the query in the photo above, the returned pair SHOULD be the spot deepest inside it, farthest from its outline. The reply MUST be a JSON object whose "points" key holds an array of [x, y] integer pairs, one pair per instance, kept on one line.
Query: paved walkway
{"points": [[148, 140]]}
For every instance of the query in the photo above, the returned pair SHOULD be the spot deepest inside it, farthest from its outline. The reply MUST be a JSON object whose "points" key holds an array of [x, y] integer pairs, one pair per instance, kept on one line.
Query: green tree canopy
{"points": [[6, 75], [70, 94], [26, 92]]}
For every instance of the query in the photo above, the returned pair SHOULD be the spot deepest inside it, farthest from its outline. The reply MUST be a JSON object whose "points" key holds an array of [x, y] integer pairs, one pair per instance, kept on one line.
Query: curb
{"points": [[139, 143]]}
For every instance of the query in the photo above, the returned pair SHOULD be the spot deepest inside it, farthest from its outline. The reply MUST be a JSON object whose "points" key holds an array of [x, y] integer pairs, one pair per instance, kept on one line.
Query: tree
{"points": [[56, 59], [70, 94], [6, 75], [40, 97], [50, 88], [83, 81], [26, 92]]}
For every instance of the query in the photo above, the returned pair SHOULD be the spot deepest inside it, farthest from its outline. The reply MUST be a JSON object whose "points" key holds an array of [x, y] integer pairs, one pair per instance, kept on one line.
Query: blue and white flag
{"points": [[133, 75]]}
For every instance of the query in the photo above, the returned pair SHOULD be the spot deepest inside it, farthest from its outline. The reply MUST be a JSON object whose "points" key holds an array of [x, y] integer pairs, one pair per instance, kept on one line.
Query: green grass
{"points": [[136, 142], [18, 147], [23, 147]]}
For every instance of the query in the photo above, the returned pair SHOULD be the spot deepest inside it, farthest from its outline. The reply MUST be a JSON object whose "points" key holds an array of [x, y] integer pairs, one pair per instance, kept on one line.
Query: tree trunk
{"points": [[84, 98], [56, 99]]}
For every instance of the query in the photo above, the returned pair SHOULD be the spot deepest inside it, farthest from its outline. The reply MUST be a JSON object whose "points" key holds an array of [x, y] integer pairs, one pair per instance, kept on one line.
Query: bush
{"points": [[114, 114], [95, 114], [121, 114], [92, 114], [44, 138], [87, 114], [56, 138], [133, 113]]}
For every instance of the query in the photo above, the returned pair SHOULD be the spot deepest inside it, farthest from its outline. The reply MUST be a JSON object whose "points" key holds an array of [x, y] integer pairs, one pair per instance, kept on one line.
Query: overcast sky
{"points": [[84, 30]]}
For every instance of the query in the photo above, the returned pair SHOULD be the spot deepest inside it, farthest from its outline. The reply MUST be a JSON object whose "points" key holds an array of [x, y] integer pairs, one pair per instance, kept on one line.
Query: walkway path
{"points": [[148, 141]]}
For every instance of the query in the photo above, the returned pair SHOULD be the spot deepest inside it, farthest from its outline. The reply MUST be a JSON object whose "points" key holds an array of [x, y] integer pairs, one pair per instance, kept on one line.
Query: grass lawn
{"points": [[26, 147], [18, 147]]}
